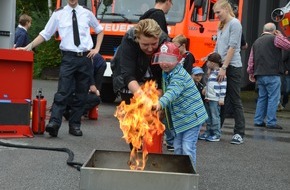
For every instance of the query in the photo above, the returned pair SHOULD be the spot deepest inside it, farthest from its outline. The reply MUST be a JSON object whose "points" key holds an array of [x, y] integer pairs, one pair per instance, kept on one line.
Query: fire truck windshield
{"points": [[132, 10]]}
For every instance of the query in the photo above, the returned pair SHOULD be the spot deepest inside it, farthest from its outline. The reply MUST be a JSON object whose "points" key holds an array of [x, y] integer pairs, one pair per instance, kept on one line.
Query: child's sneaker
{"points": [[170, 148], [237, 139], [203, 136], [213, 138]]}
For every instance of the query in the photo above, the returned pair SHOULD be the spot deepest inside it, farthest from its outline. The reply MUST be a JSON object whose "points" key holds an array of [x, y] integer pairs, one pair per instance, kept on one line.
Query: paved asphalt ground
{"points": [[261, 163]]}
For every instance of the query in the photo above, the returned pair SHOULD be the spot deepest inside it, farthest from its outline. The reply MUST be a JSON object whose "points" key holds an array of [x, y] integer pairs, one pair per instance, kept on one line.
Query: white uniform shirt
{"points": [[61, 20]]}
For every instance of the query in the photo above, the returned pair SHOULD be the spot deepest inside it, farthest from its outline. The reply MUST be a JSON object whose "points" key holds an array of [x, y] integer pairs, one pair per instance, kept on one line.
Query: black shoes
{"points": [[76, 131], [260, 125], [52, 129], [274, 127], [170, 148], [268, 127]]}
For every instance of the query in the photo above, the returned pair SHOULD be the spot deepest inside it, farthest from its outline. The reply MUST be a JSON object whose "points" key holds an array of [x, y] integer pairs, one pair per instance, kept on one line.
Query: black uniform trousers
{"points": [[74, 77]]}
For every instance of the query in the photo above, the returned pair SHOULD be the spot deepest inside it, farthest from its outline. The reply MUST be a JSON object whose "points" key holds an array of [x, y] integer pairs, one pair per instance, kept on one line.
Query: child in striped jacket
{"points": [[182, 98], [214, 98]]}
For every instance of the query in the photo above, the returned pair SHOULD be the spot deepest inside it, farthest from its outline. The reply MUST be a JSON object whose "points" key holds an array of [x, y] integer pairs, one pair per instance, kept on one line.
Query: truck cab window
{"points": [[200, 12], [211, 14]]}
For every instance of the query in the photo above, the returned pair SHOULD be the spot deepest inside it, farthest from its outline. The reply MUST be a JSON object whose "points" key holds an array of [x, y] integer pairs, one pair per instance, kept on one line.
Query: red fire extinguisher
{"points": [[38, 113], [94, 113]]}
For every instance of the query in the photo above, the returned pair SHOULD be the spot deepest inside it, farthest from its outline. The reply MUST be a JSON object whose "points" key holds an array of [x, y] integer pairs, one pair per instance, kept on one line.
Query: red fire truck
{"points": [[193, 18]]}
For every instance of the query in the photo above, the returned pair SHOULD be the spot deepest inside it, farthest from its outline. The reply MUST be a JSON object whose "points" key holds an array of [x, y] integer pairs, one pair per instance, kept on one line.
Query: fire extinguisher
{"points": [[38, 113], [94, 113]]}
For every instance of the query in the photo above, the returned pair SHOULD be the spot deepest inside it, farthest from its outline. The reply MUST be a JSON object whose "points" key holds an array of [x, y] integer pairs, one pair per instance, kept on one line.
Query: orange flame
{"points": [[139, 124]]}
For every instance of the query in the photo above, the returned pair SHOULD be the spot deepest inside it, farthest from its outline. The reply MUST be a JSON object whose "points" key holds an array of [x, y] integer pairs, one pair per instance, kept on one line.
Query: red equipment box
{"points": [[15, 93]]}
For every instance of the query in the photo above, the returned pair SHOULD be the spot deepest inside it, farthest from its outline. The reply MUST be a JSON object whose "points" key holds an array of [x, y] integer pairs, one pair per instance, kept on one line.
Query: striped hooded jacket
{"points": [[183, 100]]}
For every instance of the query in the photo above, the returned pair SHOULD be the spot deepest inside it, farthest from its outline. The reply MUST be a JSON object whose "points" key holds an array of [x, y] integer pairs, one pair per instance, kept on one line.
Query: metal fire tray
{"points": [[109, 170]]}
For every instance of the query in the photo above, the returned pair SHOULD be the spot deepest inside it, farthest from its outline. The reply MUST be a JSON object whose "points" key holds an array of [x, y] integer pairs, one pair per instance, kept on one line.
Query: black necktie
{"points": [[75, 29]]}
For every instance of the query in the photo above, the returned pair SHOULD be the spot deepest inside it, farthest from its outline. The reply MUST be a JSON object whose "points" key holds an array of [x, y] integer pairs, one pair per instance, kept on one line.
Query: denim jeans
{"points": [[213, 125], [234, 78], [269, 95], [185, 143]]}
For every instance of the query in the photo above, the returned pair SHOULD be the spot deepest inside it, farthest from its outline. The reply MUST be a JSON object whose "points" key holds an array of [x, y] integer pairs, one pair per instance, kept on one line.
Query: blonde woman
{"points": [[228, 46], [132, 61]]}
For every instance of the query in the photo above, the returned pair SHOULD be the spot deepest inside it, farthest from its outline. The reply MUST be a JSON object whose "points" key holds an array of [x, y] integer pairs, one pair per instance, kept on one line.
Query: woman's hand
{"points": [[221, 75]]}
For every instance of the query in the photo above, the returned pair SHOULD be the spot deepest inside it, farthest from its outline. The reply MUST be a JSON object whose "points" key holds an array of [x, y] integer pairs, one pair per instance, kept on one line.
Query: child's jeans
{"points": [[185, 143], [213, 123]]}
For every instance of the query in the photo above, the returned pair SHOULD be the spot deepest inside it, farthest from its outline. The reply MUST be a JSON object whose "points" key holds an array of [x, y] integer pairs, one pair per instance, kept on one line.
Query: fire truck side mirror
{"points": [[201, 29], [107, 2], [277, 15]]}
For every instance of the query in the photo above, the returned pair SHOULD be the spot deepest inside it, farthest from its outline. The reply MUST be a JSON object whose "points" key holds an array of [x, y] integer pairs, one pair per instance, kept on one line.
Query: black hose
{"points": [[70, 153]]}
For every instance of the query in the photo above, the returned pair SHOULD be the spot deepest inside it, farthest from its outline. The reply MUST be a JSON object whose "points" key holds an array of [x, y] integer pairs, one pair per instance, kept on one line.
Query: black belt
{"points": [[77, 54]]}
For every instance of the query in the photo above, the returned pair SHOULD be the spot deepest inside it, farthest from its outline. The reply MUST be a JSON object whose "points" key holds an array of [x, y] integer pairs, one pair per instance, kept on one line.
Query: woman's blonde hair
{"points": [[148, 28], [181, 39], [224, 4]]}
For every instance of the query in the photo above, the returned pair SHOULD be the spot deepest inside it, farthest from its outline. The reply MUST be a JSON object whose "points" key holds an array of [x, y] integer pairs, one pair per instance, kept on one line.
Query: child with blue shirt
{"points": [[182, 98], [197, 75], [214, 99]]}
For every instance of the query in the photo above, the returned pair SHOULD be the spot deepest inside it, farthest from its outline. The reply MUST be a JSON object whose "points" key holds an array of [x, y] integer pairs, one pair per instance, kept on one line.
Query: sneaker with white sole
{"points": [[203, 136], [170, 148], [237, 139], [213, 138]]}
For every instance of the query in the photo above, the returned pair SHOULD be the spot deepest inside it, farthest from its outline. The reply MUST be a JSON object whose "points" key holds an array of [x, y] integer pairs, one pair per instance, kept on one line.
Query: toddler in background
{"points": [[197, 75], [214, 98], [188, 59]]}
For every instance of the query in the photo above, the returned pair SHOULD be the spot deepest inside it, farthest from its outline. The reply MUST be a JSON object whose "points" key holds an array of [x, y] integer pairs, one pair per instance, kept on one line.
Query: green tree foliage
{"points": [[47, 54]]}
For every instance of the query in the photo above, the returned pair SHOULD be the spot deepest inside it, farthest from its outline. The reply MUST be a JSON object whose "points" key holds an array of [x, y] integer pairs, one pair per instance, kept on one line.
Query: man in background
{"points": [[264, 68], [157, 13], [73, 22], [21, 34]]}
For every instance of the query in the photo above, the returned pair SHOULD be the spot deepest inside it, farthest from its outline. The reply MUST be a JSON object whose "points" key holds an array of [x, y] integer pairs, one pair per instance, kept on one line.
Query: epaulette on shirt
{"points": [[60, 8], [86, 7]]}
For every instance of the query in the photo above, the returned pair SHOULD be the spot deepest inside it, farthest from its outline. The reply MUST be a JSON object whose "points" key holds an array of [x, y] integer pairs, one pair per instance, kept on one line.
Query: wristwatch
{"points": [[224, 68]]}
